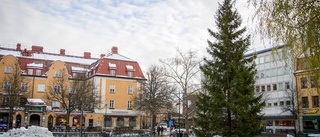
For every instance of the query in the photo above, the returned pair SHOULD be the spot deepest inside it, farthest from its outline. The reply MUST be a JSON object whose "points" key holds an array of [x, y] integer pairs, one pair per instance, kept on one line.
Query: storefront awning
{"points": [[311, 118]]}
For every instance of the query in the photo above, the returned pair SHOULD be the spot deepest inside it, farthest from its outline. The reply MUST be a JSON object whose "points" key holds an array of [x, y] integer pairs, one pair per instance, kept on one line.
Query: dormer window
{"points": [[112, 72], [130, 70], [130, 74]]}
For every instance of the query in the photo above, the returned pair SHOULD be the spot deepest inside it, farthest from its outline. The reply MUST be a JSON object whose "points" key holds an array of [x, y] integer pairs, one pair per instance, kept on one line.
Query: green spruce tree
{"points": [[228, 106]]}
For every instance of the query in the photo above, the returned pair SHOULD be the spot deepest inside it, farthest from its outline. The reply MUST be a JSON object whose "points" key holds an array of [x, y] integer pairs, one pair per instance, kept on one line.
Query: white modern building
{"points": [[275, 80]]}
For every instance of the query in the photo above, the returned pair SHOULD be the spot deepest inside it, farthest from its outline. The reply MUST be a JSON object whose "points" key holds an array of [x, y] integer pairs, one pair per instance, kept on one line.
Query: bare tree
{"points": [[156, 93], [15, 90], [85, 97], [59, 90], [183, 69], [293, 108]]}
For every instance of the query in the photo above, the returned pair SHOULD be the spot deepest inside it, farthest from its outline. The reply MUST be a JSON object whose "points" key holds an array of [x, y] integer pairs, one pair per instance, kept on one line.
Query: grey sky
{"points": [[143, 30]]}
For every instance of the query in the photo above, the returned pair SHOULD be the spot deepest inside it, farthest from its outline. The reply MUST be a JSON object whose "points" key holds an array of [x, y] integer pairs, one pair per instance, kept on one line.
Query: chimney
{"points": [[18, 47], [62, 52], [25, 52], [38, 49], [114, 50], [87, 55], [102, 55]]}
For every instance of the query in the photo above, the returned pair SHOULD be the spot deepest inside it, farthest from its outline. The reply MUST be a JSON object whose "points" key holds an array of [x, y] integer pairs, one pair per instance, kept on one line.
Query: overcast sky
{"points": [[143, 30]]}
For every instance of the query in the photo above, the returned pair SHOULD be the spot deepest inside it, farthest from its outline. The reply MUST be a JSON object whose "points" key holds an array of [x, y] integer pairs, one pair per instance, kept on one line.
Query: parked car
{"points": [[164, 125]]}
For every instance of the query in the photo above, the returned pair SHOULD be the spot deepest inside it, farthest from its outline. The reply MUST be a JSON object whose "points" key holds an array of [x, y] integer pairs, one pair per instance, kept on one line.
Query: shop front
{"points": [[311, 124], [279, 124]]}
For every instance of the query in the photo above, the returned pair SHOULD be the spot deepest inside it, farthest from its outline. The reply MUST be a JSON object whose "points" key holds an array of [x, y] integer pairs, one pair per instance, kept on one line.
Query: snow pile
{"points": [[32, 131]]}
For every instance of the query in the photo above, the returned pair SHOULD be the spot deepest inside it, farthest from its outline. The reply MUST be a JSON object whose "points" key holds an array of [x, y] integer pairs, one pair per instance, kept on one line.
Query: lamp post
{"points": [[179, 119]]}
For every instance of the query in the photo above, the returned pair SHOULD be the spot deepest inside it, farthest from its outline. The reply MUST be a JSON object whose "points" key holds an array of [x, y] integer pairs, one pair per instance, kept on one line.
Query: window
{"points": [[24, 86], [315, 101], [8, 69], [58, 74], [275, 104], [288, 103], [261, 59], [269, 104], [274, 87], [129, 104], [56, 88], [55, 104], [304, 83], [74, 75], [112, 88], [6, 85], [90, 122], [268, 87], [130, 90], [257, 88], [30, 71], [287, 85], [267, 58], [263, 88], [130, 74], [312, 81], [112, 72], [41, 87], [281, 103], [72, 89], [305, 103], [111, 104], [4, 101], [38, 72]]}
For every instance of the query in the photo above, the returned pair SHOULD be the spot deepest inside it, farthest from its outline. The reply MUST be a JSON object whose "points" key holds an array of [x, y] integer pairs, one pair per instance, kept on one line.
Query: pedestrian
{"points": [[161, 129], [158, 130]]}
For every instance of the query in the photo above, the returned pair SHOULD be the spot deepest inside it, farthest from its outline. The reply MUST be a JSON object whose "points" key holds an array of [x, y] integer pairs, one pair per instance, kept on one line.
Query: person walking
{"points": [[161, 129], [158, 130]]}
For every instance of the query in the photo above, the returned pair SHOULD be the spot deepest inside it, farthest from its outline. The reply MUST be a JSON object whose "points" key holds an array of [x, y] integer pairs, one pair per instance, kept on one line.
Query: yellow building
{"points": [[117, 79], [307, 97]]}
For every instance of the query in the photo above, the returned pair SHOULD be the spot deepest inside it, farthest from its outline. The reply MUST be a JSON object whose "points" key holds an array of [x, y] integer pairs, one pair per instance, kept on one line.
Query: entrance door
{"points": [[35, 120]]}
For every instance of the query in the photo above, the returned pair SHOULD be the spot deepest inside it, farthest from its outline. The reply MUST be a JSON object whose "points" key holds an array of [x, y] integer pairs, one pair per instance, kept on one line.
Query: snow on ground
{"points": [[32, 131]]}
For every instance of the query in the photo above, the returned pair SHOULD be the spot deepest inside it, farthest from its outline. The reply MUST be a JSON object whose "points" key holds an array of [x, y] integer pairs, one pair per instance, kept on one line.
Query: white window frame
{"points": [[56, 104], [6, 85], [58, 74], [112, 72], [130, 74], [129, 104], [30, 71], [112, 104], [8, 69], [72, 89], [38, 72], [130, 91], [57, 88], [41, 87], [112, 88], [24, 86]]}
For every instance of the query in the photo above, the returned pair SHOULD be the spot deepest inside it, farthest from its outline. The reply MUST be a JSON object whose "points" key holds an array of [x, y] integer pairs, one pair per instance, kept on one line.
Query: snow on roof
{"points": [[117, 57], [7, 52], [44, 56], [35, 101], [78, 69], [112, 65], [63, 58], [33, 65], [129, 67]]}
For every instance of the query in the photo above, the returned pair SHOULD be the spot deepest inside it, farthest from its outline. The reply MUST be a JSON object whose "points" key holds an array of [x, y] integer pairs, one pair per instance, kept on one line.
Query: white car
{"points": [[164, 125]]}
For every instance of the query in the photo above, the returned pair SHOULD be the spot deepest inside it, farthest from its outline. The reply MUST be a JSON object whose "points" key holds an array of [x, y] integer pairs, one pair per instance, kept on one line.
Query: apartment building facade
{"points": [[117, 80], [307, 96], [275, 81]]}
